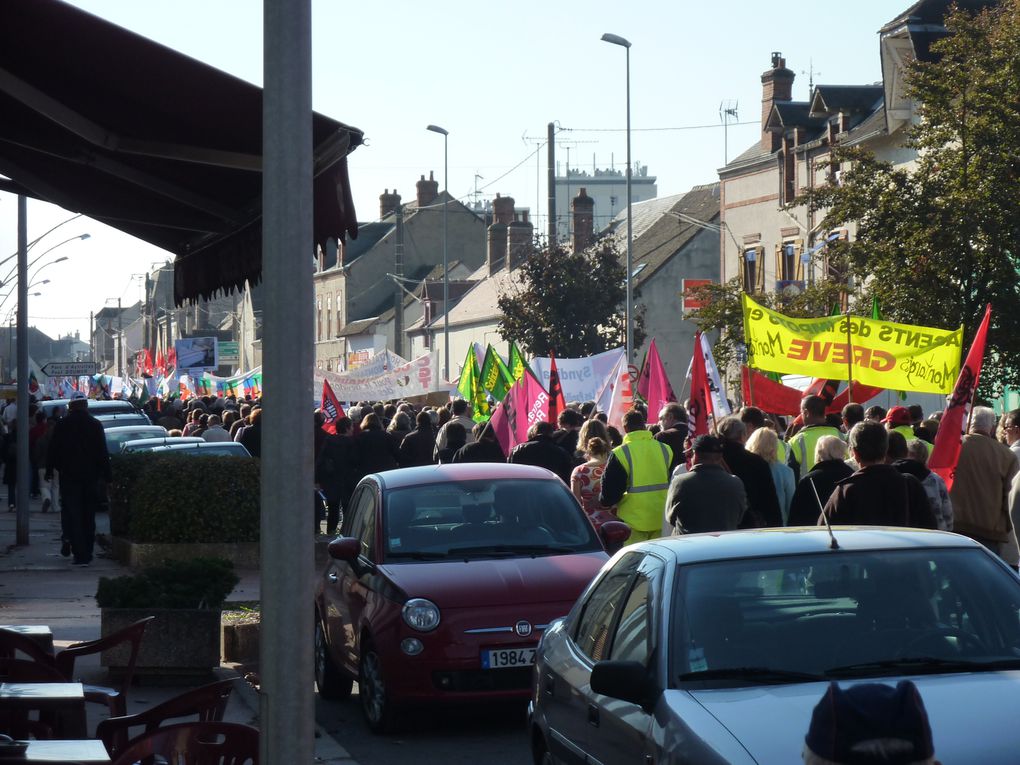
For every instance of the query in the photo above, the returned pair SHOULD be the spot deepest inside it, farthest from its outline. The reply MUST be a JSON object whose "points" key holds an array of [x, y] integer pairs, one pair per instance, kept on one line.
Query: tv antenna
{"points": [[811, 72], [727, 111]]}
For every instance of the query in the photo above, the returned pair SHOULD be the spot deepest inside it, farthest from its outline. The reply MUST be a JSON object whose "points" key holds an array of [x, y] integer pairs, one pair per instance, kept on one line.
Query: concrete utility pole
{"points": [[398, 292], [551, 182], [120, 340], [24, 486]]}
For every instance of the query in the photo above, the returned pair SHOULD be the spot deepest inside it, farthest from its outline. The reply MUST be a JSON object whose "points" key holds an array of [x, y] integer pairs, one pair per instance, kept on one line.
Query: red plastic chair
{"points": [[114, 698], [14, 643], [196, 743], [208, 702]]}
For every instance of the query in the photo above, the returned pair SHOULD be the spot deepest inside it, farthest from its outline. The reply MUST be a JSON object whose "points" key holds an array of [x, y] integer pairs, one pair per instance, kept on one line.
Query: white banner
{"points": [[720, 406], [581, 379], [413, 378], [373, 367]]}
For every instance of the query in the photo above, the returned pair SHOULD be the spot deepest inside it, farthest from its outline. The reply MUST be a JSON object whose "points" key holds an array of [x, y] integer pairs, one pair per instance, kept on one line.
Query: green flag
{"points": [[496, 378], [470, 389], [517, 362]]}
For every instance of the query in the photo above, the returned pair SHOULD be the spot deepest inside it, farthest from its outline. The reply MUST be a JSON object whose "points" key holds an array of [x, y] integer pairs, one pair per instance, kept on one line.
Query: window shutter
{"points": [[779, 263], [759, 284], [798, 253]]}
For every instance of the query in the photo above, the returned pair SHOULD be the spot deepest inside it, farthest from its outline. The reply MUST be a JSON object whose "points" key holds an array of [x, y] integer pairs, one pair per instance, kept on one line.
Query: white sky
{"points": [[494, 75]]}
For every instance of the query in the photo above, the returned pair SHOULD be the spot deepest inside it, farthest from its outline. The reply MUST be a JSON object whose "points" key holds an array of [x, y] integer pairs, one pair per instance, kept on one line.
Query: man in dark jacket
{"points": [[336, 472], [484, 449], [815, 488], [540, 450], [763, 509], [877, 494], [78, 453], [418, 446], [706, 498], [565, 436], [673, 431]]}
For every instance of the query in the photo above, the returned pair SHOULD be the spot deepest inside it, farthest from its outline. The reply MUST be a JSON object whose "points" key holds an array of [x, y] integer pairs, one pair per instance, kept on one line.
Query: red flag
{"points": [[171, 358], [766, 394], [556, 402], [533, 405], [653, 385], [862, 394], [331, 408], [160, 363], [701, 395], [953, 425]]}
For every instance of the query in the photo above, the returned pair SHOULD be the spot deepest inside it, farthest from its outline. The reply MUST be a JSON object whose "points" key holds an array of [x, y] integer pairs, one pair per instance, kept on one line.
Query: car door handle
{"points": [[593, 715], [333, 577]]}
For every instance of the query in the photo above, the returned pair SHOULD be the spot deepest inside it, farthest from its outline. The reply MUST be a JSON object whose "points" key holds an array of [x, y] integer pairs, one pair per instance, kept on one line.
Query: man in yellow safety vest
{"points": [[801, 453], [637, 478]]}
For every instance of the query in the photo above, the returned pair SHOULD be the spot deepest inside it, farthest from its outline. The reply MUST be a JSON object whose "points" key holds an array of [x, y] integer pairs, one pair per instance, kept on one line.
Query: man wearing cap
{"points": [[706, 498], [801, 452], [899, 420], [78, 453], [636, 479]]}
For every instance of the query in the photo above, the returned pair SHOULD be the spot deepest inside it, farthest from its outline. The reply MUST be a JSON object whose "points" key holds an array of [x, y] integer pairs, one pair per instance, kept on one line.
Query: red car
{"points": [[442, 583]]}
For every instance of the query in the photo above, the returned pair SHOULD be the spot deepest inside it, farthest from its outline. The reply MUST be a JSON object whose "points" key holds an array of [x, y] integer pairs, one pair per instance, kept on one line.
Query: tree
{"points": [[568, 302], [936, 242]]}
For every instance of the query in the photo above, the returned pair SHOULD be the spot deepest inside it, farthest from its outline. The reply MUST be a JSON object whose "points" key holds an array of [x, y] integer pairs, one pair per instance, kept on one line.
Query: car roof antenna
{"points": [[834, 545]]}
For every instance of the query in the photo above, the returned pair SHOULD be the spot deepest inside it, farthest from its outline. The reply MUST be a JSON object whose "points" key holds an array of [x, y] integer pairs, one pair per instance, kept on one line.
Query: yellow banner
{"points": [[882, 354]]}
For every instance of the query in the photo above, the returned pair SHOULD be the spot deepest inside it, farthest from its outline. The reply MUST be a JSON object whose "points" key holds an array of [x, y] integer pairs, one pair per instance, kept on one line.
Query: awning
{"points": [[102, 121]]}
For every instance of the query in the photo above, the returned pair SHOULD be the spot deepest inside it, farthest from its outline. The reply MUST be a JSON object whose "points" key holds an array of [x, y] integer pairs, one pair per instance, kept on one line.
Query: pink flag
{"points": [[534, 405], [701, 395], [524, 404], [504, 420], [653, 385], [953, 425]]}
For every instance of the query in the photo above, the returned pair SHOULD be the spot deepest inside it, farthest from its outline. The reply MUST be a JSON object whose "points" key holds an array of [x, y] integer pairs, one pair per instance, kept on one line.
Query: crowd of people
{"points": [[864, 466]]}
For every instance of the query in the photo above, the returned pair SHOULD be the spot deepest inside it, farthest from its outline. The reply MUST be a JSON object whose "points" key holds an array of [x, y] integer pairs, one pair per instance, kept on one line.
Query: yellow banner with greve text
{"points": [[879, 353]]}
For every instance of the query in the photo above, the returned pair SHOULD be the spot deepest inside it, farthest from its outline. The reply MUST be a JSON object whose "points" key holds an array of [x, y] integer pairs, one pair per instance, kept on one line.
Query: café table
{"points": [[85, 751], [40, 633], [65, 700]]}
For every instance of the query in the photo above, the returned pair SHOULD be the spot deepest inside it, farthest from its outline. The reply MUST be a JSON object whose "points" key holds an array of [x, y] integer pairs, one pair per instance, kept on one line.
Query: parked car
{"points": [[95, 406], [715, 648], [148, 444], [442, 582], [204, 449], [116, 437], [123, 419]]}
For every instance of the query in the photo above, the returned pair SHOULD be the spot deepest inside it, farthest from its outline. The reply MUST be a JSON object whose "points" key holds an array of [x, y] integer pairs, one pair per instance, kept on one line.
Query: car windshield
{"points": [[488, 518], [844, 615]]}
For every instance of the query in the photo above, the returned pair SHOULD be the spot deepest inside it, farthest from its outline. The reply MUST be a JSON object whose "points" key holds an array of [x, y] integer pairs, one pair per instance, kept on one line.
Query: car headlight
{"points": [[421, 615]]}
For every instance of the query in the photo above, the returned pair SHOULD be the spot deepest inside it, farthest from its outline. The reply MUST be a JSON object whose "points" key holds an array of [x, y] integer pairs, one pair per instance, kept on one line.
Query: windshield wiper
{"points": [[510, 550], [417, 555], [760, 674], [924, 664]]}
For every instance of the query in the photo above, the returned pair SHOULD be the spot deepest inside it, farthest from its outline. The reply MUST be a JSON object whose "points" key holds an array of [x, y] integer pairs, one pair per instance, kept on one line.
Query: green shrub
{"points": [[179, 499], [195, 583], [126, 469]]}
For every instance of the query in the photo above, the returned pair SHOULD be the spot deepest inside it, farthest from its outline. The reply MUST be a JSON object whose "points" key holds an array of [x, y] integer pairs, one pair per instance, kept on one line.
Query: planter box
{"points": [[244, 555], [177, 642], [241, 643]]}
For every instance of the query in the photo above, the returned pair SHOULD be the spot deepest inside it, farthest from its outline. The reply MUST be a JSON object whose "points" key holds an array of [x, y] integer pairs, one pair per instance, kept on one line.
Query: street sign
{"points": [[70, 368]]}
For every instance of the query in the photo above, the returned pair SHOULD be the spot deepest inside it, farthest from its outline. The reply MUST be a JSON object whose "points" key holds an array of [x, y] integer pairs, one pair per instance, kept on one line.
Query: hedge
{"points": [[184, 499], [195, 583]]}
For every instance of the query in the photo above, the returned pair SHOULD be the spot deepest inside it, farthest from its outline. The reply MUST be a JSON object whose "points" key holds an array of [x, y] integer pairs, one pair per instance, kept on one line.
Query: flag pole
{"points": [[849, 360]]}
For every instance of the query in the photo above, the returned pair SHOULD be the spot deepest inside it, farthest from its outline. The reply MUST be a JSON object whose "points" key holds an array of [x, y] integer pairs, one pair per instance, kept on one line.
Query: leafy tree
{"points": [[569, 302], [937, 241]]}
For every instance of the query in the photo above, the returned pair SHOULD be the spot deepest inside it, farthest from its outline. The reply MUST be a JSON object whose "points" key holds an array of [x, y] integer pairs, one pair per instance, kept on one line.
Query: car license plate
{"points": [[503, 658]]}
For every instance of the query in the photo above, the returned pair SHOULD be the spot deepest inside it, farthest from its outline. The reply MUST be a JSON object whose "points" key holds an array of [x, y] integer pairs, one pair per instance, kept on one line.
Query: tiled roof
{"points": [[756, 153], [480, 292], [791, 114], [829, 99]]}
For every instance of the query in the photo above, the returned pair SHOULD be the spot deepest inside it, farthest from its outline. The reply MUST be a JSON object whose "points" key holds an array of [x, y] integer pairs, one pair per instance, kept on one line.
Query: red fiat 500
{"points": [[442, 583]]}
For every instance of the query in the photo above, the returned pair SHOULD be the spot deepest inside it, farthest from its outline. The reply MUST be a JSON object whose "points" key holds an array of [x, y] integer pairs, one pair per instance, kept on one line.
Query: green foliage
{"points": [[569, 302], [176, 498], [937, 241], [197, 583]]}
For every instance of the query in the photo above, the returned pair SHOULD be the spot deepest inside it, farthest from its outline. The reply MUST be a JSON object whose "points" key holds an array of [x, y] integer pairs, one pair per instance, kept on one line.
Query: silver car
{"points": [[715, 648]]}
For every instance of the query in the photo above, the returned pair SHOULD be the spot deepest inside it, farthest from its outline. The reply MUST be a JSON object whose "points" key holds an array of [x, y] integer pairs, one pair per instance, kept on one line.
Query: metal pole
{"points": [[120, 341], [23, 487], [287, 713], [398, 288], [630, 236], [551, 182], [446, 265]]}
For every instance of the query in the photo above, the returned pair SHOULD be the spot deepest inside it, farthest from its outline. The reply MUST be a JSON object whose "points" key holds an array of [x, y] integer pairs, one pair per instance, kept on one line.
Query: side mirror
{"points": [[624, 680], [345, 548], [614, 533]]}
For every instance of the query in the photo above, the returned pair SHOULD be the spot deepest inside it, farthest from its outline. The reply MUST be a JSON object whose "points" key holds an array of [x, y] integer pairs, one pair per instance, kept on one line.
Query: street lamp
{"points": [[446, 272], [61, 259], [42, 255], [628, 314], [35, 241]]}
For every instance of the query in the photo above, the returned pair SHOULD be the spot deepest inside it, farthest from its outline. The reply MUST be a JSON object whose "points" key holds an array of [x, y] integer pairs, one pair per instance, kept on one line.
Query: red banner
{"points": [[768, 395], [953, 425], [701, 394], [653, 385], [556, 402], [331, 408]]}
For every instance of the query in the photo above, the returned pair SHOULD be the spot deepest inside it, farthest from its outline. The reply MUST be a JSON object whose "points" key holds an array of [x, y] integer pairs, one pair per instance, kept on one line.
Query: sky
{"points": [[493, 75]]}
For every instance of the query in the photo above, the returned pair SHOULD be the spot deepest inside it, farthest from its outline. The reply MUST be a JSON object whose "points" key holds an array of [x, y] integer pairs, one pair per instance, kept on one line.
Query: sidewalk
{"points": [[38, 586]]}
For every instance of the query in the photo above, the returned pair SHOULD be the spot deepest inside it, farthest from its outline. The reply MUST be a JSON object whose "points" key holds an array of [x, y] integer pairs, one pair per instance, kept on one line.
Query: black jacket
{"points": [[804, 509], [879, 495], [483, 450], [417, 448], [542, 452], [376, 452], [336, 469], [78, 449], [762, 500]]}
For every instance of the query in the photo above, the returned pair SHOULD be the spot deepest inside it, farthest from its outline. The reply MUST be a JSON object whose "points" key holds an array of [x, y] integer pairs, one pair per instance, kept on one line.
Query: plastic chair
{"points": [[208, 702], [196, 743], [13, 643], [114, 698]]}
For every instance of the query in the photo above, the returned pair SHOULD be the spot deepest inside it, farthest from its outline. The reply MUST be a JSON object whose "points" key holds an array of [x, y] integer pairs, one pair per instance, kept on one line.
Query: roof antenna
{"points": [[834, 545]]}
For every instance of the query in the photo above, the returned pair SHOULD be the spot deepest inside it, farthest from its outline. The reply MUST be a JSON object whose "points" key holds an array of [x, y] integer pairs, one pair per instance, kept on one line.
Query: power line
{"points": [[654, 129]]}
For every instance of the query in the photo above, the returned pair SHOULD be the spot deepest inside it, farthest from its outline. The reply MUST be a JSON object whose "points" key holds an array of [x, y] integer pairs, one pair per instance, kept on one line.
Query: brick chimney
{"points": [[583, 208], [519, 239], [388, 202], [427, 190], [497, 247], [503, 210], [776, 86]]}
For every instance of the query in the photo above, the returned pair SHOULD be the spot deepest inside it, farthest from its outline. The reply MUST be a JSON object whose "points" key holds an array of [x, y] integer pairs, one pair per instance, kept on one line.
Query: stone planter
{"points": [[244, 555], [241, 643], [178, 642]]}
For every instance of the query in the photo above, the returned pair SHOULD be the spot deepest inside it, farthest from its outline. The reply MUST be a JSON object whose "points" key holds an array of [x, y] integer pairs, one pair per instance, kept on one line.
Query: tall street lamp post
{"points": [[446, 271], [629, 313]]}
